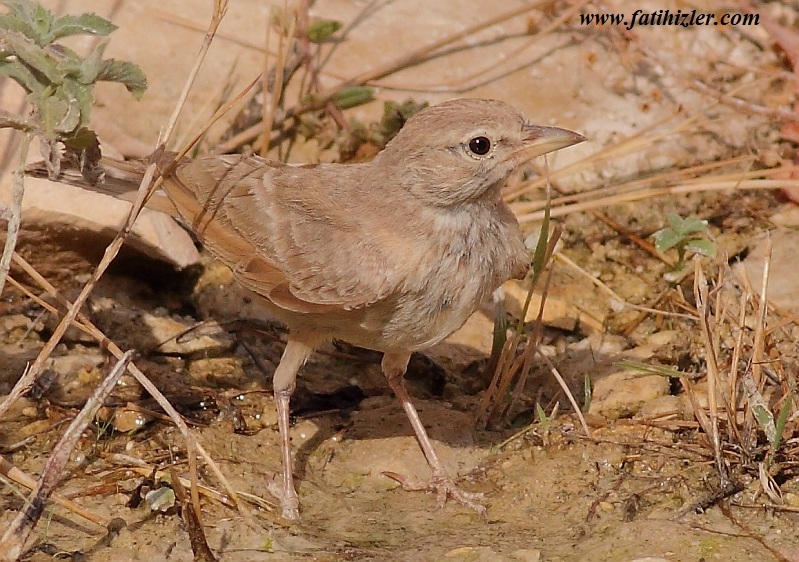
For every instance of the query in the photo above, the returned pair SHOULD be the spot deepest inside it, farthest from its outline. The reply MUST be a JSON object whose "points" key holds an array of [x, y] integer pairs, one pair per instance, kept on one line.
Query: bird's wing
{"points": [[284, 231]]}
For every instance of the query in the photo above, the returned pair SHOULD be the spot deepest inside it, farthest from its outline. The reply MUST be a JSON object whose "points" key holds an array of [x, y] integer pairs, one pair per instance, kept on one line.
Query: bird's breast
{"points": [[452, 284]]}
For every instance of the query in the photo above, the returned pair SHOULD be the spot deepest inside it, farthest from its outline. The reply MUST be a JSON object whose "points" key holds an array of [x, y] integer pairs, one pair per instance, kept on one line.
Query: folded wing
{"points": [[292, 234]]}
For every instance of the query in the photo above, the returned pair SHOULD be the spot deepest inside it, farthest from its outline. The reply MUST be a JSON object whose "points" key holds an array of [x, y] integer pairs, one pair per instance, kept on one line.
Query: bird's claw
{"points": [[289, 501], [444, 487]]}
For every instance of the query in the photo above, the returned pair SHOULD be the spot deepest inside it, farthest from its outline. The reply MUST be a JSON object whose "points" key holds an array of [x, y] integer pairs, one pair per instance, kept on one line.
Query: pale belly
{"points": [[404, 323], [420, 321]]}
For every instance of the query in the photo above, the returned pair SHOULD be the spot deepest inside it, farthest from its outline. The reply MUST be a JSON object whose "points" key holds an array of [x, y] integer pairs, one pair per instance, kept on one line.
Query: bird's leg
{"points": [[284, 382], [394, 366]]}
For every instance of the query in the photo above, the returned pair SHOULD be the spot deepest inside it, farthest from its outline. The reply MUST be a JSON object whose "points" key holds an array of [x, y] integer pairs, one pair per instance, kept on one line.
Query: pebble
{"points": [[624, 393]]}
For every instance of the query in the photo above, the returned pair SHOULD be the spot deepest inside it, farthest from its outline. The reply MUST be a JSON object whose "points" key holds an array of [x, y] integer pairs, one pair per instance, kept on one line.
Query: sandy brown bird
{"points": [[392, 255]]}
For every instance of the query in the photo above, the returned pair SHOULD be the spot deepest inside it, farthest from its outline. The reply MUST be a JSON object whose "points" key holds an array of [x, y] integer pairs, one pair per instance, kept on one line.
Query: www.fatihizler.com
{"points": [[667, 17]]}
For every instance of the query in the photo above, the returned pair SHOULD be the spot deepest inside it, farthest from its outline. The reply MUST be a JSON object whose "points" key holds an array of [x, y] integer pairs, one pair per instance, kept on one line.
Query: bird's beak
{"points": [[539, 140]]}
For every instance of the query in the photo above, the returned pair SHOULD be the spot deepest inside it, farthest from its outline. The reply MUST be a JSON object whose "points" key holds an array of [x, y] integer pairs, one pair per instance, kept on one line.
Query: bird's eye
{"points": [[480, 146]]}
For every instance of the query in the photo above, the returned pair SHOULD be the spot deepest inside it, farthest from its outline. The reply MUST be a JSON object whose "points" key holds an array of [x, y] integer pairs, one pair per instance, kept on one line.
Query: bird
{"points": [[391, 255]]}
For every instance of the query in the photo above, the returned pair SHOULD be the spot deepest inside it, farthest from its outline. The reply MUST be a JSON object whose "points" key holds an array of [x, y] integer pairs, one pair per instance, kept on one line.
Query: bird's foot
{"points": [[289, 501], [444, 487]]}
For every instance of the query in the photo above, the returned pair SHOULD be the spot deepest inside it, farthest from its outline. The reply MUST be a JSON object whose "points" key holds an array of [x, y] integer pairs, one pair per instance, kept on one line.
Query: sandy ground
{"points": [[644, 487]]}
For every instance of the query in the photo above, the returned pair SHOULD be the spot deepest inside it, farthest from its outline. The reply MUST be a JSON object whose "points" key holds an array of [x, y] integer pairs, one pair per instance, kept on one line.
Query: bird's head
{"points": [[463, 150]]}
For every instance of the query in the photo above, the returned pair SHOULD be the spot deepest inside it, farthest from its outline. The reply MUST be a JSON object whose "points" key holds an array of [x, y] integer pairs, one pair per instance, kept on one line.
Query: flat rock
{"points": [[783, 283], [177, 336], [624, 393], [77, 218]]}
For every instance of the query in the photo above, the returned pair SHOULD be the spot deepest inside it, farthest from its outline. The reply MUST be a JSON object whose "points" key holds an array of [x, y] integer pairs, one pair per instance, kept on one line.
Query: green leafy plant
{"points": [[321, 30], [59, 82], [687, 236]]}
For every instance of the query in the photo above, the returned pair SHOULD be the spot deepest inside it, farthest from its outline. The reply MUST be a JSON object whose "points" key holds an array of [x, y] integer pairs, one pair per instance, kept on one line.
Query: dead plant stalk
{"points": [[14, 538]]}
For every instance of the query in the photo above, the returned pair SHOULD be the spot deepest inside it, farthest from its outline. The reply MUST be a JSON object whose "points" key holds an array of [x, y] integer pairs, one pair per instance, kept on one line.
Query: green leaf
{"points": [[31, 19], [83, 139], [693, 225], [702, 247], [34, 56], [21, 74], [58, 81], [51, 111], [541, 415], [71, 120], [84, 147], [11, 23], [69, 64], [353, 97], [20, 9], [690, 225], [782, 419], [765, 419], [675, 221], [394, 117], [126, 73], [57, 110], [321, 30], [667, 238], [80, 95], [84, 24], [93, 65]]}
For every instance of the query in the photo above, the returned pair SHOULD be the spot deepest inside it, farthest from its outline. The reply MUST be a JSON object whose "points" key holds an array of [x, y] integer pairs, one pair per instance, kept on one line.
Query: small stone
{"points": [[179, 337], [78, 363], [662, 338], [624, 393], [473, 554], [791, 499], [661, 407], [526, 555], [268, 417]]}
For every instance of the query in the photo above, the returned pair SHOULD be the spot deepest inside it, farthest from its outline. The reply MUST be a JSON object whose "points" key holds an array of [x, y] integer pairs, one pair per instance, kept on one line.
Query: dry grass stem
{"points": [[483, 75], [758, 355], [512, 370], [321, 99], [745, 106], [146, 188], [223, 498], [618, 301], [578, 412], [192, 517], [272, 98], [706, 327], [420, 55], [698, 186], [686, 173], [220, 7], [90, 328], [13, 540], [15, 213], [17, 476]]}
